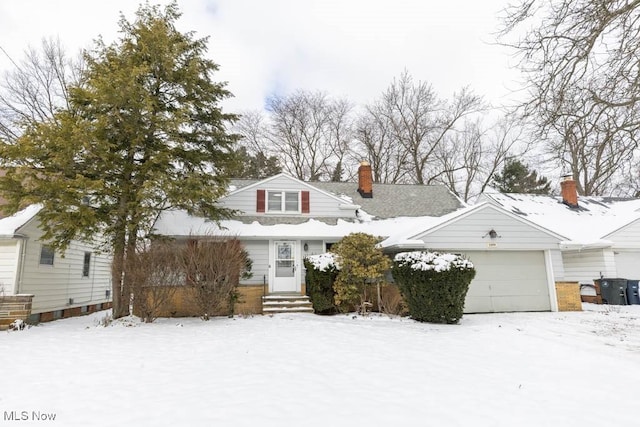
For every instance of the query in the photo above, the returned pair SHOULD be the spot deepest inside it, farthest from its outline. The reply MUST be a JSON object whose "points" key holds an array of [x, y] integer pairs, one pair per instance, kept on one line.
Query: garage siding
{"points": [[508, 281], [627, 264]]}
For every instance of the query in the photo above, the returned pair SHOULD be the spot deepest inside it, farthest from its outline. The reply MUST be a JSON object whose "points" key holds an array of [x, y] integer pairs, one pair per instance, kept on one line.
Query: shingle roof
{"points": [[390, 200]]}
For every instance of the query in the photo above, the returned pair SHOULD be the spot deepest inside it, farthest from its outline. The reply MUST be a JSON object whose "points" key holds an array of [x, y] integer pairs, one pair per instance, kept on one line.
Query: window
{"points": [[283, 201], [86, 265], [46, 255]]}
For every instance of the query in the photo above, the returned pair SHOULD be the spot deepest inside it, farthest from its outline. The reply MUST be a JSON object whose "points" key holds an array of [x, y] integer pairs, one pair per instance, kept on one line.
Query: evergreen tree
{"points": [[257, 166], [142, 133], [516, 177], [336, 176]]}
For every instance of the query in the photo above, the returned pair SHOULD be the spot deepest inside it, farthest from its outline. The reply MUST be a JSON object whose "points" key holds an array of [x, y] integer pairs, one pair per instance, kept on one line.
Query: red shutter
{"points": [[260, 201], [305, 201]]}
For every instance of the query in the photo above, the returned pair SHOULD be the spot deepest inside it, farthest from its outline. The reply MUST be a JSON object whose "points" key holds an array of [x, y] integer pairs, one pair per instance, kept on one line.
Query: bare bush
{"points": [[391, 301], [155, 275], [214, 267]]}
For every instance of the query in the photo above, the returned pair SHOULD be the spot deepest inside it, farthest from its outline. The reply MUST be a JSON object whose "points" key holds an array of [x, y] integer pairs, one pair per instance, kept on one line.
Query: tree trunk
{"points": [[120, 307]]}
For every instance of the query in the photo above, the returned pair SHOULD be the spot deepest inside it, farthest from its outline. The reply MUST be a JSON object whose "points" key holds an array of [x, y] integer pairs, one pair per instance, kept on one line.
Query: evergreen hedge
{"points": [[319, 283], [433, 285]]}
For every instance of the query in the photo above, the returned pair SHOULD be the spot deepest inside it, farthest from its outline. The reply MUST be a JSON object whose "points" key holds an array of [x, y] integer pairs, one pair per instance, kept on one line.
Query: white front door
{"points": [[285, 267]]}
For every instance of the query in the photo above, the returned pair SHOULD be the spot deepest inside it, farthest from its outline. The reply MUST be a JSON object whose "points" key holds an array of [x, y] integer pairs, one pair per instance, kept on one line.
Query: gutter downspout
{"points": [[21, 261]]}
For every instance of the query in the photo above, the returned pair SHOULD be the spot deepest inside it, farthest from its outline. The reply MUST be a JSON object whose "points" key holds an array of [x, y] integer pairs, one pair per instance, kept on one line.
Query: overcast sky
{"points": [[348, 48]]}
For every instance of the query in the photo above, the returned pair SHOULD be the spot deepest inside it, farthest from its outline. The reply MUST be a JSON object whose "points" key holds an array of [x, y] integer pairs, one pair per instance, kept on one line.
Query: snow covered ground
{"points": [[519, 369]]}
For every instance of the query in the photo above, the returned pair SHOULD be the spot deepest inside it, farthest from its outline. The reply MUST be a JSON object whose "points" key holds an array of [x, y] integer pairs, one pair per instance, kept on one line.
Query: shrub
{"points": [[362, 266], [213, 270], [321, 273], [155, 274], [433, 285]]}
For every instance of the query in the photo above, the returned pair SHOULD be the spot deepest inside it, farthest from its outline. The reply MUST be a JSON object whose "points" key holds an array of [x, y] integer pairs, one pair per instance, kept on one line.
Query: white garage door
{"points": [[508, 281]]}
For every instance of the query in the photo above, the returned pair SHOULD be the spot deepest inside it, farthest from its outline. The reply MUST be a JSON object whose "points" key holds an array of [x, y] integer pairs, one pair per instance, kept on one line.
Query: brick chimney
{"points": [[365, 180], [569, 191]]}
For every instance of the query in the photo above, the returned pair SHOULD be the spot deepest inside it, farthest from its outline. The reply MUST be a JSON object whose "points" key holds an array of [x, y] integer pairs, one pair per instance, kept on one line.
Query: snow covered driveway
{"points": [[521, 369]]}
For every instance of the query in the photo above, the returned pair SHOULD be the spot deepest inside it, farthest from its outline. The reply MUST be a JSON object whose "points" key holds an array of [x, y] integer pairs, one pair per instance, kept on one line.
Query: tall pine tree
{"points": [[517, 178], [144, 132]]}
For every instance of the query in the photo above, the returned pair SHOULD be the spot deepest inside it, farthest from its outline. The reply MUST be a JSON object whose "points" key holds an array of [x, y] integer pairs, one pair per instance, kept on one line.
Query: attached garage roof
{"points": [[415, 238]]}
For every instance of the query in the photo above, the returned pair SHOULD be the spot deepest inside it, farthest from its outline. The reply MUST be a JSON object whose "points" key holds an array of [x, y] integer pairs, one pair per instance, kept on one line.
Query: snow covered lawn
{"points": [[520, 369]]}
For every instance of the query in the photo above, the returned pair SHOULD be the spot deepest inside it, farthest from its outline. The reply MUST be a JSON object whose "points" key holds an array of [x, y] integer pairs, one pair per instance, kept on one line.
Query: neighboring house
{"points": [[601, 235], [42, 284]]}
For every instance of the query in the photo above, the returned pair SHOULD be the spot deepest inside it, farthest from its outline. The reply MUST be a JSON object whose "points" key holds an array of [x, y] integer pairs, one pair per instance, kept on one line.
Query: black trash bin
{"points": [[613, 291], [632, 292]]}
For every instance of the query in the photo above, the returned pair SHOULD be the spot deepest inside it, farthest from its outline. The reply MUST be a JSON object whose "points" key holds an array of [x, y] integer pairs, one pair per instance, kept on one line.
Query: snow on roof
{"points": [[9, 225], [180, 223], [589, 224]]}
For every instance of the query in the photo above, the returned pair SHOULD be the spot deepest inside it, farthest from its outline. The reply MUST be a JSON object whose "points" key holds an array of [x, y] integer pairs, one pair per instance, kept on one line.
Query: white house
{"points": [[42, 284], [283, 219]]}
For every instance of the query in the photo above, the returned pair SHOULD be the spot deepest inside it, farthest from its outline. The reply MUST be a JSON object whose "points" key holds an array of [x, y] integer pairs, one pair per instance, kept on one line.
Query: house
{"points": [[601, 235], [41, 284], [282, 219]]}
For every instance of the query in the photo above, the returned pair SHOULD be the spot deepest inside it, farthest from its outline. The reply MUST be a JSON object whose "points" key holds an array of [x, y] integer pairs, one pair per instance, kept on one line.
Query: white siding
{"points": [[627, 264], [54, 286], [320, 204], [628, 236], [315, 247], [259, 253], [587, 265], [557, 265], [471, 232], [9, 260]]}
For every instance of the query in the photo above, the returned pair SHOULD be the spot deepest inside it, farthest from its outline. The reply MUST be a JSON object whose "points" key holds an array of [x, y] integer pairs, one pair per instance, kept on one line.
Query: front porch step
{"points": [[286, 303]]}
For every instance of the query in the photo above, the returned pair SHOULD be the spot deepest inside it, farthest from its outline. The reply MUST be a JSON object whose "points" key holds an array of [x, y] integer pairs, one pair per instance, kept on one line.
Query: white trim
{"points": [[480, 207], [283, 202], [571, 246], [553, 296]]}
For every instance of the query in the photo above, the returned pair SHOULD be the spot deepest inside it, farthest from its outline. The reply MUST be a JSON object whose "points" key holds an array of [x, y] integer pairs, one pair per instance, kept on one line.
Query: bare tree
{"points": [[310, 131], [37, 87], [253, 130], [376, 143], [420, 122], [580, 58], [470, 157], [594, 144]]}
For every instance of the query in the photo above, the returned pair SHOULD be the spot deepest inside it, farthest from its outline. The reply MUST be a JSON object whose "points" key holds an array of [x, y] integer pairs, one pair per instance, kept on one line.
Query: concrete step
{"points": [[286, 303]]}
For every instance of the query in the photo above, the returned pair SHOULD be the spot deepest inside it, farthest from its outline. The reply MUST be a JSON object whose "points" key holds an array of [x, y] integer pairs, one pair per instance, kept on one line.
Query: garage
{"points": [[508, 281]]}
